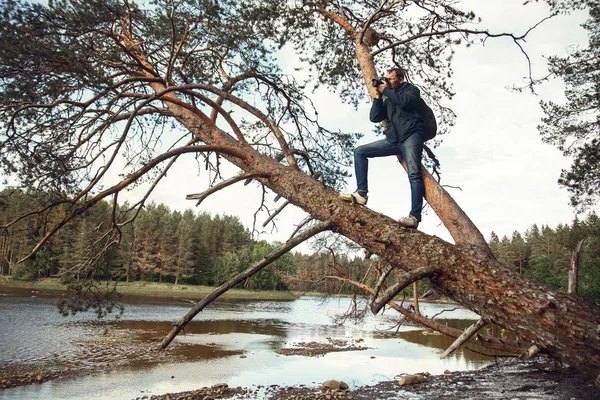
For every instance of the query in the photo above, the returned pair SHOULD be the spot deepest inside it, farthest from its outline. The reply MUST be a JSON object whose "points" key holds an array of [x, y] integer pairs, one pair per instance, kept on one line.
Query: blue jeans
{"points": [[411, 149]]}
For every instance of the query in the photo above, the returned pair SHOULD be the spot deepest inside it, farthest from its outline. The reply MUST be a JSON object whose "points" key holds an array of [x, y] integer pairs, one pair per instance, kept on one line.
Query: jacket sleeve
{"points": [[405, 96], [378, 111]]}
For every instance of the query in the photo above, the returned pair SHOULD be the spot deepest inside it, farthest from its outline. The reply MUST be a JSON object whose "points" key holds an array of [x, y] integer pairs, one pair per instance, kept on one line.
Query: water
{"points": [[31, 331]]}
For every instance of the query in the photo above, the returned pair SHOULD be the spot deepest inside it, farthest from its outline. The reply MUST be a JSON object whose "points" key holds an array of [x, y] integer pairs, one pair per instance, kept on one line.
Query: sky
{"points": [[493, 160]]}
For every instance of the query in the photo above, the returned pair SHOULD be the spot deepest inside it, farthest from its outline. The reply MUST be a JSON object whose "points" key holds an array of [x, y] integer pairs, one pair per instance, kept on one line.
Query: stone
{"points": [[335, 385], [220, 386], [411, 379]]}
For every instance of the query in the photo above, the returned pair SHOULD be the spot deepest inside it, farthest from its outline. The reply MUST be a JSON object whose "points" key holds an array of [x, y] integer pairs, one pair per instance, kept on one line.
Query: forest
{"points": [[164, 245]]}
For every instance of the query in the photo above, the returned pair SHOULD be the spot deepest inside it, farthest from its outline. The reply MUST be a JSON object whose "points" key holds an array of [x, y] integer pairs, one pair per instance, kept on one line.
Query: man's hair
{"points": [[400, 73]]}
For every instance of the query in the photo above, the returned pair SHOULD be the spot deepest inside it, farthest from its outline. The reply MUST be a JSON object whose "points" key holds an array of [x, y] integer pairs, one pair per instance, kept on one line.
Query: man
{"points": [[403, 135]]}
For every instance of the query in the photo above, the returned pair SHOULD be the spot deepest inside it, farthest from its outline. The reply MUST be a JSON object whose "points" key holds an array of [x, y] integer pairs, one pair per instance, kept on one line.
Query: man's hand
{"points": [[379, 88]]}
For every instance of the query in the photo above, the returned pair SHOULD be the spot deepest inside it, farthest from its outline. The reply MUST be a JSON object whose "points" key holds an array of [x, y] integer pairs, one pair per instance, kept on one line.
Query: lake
{"points": [[233, 342]]}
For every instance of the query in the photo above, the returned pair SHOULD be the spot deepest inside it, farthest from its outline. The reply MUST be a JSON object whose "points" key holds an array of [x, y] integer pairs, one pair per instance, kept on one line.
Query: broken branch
{"points": [[466, 335]]}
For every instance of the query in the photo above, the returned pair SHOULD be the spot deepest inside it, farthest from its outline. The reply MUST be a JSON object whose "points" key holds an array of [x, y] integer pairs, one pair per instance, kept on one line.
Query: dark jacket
{"points": [[399, 109]]}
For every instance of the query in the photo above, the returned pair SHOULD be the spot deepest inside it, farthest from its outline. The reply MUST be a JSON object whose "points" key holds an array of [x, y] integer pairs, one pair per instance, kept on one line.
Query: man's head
{"points": [[395, 77]]}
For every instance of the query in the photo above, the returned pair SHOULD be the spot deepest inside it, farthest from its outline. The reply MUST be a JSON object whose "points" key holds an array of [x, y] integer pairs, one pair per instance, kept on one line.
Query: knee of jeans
{"points": [[415, 175], [359, 151]]}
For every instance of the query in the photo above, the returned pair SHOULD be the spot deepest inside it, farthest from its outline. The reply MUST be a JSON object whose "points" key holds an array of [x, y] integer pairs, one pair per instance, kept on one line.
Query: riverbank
{"points": [[510, 379], [155, 289], [190, 292], [258, 342]]}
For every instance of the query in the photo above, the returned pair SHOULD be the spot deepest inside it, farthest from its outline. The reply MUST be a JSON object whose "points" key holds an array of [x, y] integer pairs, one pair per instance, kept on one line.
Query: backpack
{"points": [[429, 120]]}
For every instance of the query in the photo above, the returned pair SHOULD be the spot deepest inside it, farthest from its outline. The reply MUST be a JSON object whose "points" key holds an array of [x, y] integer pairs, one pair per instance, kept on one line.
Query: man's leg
{"points": [[380, 148], [412, 150]]}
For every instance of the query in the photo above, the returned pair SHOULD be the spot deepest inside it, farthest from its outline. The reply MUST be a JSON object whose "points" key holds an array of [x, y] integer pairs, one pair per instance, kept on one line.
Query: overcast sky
{"points": [[494, 154]]}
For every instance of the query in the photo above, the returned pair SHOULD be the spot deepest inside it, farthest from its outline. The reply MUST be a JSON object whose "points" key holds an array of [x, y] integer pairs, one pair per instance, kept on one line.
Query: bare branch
{"points": [[268, 259], [300, 225], [482, 340], [530, 353], [377, 303], [280, 209], [470, 331], [257, 113], [201, 196], [128, 181]]}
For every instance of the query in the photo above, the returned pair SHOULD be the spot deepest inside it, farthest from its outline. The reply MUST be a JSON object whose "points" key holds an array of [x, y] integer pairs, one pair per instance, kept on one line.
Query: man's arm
{"points": [[378, 111], [403, 97]]}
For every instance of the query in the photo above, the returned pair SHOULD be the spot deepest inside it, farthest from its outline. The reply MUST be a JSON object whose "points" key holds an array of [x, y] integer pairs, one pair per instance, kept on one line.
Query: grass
{"points": [[155, 289]]}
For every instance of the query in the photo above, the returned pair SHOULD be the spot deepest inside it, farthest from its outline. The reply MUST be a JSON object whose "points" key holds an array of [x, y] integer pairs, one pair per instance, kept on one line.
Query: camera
{"points": [[379, 81]]}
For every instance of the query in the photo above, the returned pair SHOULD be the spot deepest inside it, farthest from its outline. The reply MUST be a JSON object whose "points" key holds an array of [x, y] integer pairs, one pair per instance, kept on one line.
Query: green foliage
{"points": [[545, 255], [70, 76], [573, 127], [159, 245]]}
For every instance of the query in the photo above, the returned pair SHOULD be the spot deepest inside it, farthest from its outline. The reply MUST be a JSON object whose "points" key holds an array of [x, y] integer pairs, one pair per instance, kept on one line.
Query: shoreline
{"points": [[537, 379], [506, 379], [154, 289], [184, 292]]}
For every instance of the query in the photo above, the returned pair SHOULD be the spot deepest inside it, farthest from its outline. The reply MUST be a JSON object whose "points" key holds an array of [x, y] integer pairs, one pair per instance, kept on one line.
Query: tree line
{"points": [[164, 245], [160, 245], [544, 254]]}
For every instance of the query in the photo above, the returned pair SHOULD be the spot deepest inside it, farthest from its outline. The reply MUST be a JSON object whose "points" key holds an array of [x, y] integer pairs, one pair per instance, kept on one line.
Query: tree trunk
{"points": [[574, 270], [566, 327], [562, 325]]}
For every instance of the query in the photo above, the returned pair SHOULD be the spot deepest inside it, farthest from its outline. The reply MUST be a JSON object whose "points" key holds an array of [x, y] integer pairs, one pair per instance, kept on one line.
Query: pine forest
{"points": [[162, 245]]}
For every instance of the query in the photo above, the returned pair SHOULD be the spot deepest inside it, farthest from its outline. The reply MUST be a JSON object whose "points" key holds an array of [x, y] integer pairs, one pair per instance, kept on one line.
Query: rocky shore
{"points": [[506, 379], [541, 379]]}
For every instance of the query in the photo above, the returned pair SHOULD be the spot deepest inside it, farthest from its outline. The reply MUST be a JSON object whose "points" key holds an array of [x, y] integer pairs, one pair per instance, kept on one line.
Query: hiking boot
{"points": [[354, 198], [409, 222]]}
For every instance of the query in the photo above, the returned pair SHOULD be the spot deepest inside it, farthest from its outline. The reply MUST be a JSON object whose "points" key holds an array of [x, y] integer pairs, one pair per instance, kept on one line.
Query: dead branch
{"points": [[227, 88], [280, 209], [377, 303], [257, 113], [530, 352], [301, 224], [382, 277], [201, 196], [128, 181], [268, 259], [490, 342], [470, 331]]}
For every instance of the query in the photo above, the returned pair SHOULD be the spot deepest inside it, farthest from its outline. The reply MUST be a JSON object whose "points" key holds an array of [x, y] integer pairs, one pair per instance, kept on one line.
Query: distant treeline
{"points": [[163, 245], [544, 254]]}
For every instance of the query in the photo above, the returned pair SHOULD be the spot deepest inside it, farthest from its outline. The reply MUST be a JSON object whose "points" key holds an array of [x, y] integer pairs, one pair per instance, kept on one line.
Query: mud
{"points": [[315, 349]]}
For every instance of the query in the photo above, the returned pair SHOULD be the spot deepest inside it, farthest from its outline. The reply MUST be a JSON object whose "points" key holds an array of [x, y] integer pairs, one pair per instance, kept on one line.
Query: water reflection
{"points": [[210, 351]]}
